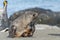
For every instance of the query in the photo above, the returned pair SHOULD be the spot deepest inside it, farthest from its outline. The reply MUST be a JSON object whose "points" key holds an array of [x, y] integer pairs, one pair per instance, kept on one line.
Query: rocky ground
{"points": [[43, 32]]}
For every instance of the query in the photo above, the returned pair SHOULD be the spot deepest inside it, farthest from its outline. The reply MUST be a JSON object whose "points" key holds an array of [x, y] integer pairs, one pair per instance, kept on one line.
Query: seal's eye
{"points": [[34, 15]]}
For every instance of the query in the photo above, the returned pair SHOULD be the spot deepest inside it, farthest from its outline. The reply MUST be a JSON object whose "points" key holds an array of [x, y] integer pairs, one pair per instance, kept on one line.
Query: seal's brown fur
{"points": [[23, 25]]}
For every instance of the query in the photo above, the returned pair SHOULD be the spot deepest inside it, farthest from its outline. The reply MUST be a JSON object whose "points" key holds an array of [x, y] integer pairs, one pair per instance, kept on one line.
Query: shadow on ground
{"points": [[54, 34]]}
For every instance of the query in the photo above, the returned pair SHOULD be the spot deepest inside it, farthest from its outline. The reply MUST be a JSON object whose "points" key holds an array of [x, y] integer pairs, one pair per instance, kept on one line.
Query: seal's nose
{"points": [[12, 31]]}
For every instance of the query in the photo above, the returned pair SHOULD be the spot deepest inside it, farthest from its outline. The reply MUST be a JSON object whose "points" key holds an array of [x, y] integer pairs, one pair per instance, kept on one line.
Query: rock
{"points": [[46, 16]]}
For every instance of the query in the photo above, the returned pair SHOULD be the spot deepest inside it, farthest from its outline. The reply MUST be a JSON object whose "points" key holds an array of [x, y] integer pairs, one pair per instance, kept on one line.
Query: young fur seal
{"points": [[24, 25]]}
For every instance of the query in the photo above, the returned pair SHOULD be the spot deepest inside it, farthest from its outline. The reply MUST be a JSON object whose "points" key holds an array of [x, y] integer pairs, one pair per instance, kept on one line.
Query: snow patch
{"points": [[44, 26], [4, 30]]}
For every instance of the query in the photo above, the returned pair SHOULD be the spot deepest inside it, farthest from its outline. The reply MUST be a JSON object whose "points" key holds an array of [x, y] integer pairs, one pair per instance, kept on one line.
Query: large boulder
{"points": [[46, 16]]}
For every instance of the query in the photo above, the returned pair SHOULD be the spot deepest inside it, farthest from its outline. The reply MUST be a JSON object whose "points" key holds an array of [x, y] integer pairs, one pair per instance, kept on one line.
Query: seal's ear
{"points": [[13, 27]]}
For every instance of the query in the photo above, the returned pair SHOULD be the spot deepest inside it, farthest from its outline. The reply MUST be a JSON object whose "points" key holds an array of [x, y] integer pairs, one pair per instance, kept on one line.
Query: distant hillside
{"points": [[46, 16]]}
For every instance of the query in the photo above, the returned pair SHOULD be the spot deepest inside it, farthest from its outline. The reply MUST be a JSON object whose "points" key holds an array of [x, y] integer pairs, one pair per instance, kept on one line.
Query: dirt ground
{"points": [[41, 33], [47, 34]]}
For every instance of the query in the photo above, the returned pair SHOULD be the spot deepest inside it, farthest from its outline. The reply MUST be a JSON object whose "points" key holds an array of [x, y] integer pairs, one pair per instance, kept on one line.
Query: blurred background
{"points": [[15, 5]]}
